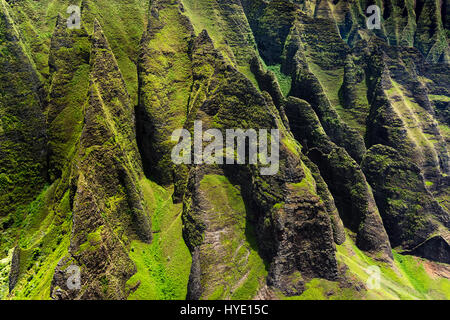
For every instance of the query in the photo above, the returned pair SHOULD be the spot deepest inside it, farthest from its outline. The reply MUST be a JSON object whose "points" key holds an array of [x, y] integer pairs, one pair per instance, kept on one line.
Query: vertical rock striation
{"points": [[108, 207], [22, 123]]}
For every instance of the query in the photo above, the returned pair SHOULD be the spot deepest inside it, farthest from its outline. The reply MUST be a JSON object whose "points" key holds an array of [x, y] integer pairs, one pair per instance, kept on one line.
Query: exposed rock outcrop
{"points": [[409, 212], [69, 67], [108, 207], [353, 197], [284, 208]]}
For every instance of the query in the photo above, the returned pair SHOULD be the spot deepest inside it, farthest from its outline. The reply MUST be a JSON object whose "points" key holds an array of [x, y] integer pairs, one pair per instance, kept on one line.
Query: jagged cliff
{"points": [[87, 181]]}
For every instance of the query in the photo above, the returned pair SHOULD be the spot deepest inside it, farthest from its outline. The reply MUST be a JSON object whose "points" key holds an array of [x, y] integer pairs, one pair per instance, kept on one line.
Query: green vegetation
{"points": [[320, 289], [243, 270], [405, 279], [5, 268], [69, 87], [43, 241], [415, 119], [226, 26], [86, 176], [124, 23], [285, 81], [439, 97], [162, 267], [22, 133], [332, 81], [166, 84], [308, 184]]}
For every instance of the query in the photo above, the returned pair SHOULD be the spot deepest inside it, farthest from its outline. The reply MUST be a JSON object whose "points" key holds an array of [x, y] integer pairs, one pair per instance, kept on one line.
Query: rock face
{"points": [[270, 22], [22, 123], [15, 269], [417, 216], [165, 77], [104, 186], [419, 24], [69, 67], [395, 119], [435, 248], [352, 194], [308, 84], [92, 205], [283, 217]]}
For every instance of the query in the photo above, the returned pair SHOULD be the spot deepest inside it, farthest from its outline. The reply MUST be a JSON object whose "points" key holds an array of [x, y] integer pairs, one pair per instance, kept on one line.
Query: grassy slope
{"points": [[245, 270], [413, 115], [43, 239], [5, 268], [331, 81], [163, 266], [166, 84], [42, 228], [284, 80], [206, 15], [36, 21], [123, 23], [406, 279]]}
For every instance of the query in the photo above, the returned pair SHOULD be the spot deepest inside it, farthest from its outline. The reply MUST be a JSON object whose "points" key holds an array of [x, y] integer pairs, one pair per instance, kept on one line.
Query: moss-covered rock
{"points": [[117, 207], [22, 123], [226, 99], [108, 206], [69, 67], [401, 114], [271, 23], [410, 213], [345, 180], [165, 80], [313, 58]]}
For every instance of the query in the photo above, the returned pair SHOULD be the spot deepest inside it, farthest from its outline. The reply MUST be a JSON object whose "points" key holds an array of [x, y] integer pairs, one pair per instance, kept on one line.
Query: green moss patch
{"points": [[285, 81]]}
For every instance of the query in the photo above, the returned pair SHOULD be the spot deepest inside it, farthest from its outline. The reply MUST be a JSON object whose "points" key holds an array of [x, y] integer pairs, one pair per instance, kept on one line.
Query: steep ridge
{"points": [[108, 208], [411, 222], [227, 26], [353, 196], [69, 67], [23, 132], [213, 100], [354, 201], [165, 80], [124, 23], [291, 191], [22, 139]]}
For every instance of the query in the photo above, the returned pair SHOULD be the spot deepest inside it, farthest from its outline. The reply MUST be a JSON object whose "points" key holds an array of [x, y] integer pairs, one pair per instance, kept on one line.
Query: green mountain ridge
{"points": [[86, 177]]}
